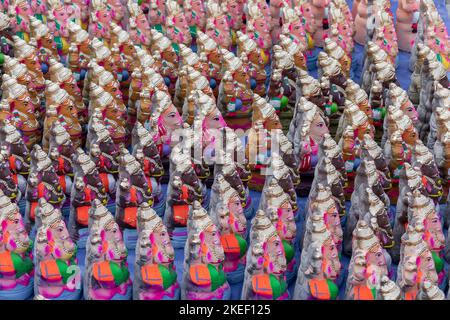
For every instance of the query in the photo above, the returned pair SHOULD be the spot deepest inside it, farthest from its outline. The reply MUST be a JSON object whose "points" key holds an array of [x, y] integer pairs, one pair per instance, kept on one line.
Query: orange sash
{"points": [[61, 164], [181, 211], [62, 182], [362, 293], [12, 162], [130, 215], [411, 295], [15, 178], [50, 270], [230, 243], [261, 284], [102, 271], [104, 178], [319, 289], [200, 275], [151, 275], [6, 264], [83, 215]]}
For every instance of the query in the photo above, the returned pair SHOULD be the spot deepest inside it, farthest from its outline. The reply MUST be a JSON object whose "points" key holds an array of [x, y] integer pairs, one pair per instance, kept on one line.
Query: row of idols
{"points": [[91, 119]]}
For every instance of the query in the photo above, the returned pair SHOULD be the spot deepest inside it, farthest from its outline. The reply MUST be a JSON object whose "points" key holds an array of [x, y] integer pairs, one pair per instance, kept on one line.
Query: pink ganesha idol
{"points": [[155, 277], [217, 25], [39, 9], [407, 21], [138, 27], [320, 11], [258, 27], [106, 273], [16, 267], [19, 12], [275, 14], [203, 274], [58, 23], [118, 10], [386, 37], [84, 12], [177, 28], [57, 274], [195, 13], [235, 13], [157, 15], [264, 277], [99, 26], [437, 38]]}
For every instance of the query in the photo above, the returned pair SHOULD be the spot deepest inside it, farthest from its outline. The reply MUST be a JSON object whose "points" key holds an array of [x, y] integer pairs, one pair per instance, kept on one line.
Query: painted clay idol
{"points": [[57, 275], [227, 212], [368, 265], [203, 275], [407, 22], [147, 154], [17, 268], [416, 263], [43, 182], [177, 27], [266, 263], [155, 277], [320, 265], [106, 273]]}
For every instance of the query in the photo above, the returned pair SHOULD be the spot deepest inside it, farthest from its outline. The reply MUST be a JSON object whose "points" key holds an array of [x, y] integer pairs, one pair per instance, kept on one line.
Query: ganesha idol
{"points": [[320, 265], [248, 48], [8, 182], [217, 24], [106, 274], [169, 55], [16, 257], [235, 14], [19, 156], [235, 95], [131, 192], [437, 38], [368, 265], [155, 277], [308, 135], [20, 12], [423, 212], [204, 277], [195, 15], [258, 26], [407, 23], [184, 188], [235, 174], [57, 275], [279, 209], [99, 22], [369, 200], [259, 142], [139, 27], [227, 213], [416, 263], [43, 182], [25, 113], [163, 120], [58, 18], [177, 28], [147, 154], [266, 263], [61, 150], [209, 48], [87, 186], [320, 11]]}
